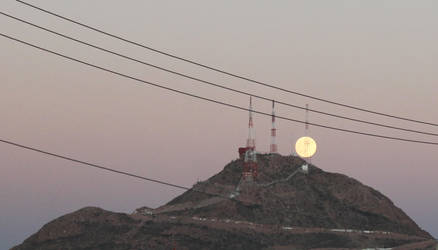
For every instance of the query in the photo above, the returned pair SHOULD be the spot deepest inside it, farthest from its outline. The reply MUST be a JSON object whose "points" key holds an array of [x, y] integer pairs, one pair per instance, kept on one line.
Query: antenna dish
{"points": [[305, 147]]}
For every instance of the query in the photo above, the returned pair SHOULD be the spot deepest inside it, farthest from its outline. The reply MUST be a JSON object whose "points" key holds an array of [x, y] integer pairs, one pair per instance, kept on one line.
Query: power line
{"points": [[211, 83], [211, 100], [110, 169], [223, 71]]}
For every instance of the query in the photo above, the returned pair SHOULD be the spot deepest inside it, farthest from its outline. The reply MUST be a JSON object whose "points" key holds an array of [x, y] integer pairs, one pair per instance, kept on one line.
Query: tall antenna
{"points": [[306, 132], [273, 148], [307, 119], [249, 171], [250, 142]]}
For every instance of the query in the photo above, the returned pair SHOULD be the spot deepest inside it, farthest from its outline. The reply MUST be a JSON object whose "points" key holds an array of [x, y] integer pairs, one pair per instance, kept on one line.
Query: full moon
{"points": [[305, 147]]}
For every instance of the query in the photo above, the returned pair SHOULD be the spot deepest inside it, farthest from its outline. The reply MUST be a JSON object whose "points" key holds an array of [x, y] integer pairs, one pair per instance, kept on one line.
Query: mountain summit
{"points": [[287, 207]]}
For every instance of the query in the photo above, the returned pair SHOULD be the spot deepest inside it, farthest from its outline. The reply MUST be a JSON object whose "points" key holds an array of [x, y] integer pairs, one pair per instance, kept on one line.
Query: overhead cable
{"points": [[226, 72], [100, 167], [211, 100], [212, 83]]}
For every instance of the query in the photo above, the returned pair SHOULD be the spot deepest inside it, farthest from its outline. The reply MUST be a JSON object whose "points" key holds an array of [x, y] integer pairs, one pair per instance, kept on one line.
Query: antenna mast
{"points": [[273, 148], [307, 119], [250, 142], [249, 172]]}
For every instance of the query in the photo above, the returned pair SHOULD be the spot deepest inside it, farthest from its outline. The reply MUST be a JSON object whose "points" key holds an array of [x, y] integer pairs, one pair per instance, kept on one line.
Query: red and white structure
{"points": [[273, 149], [249, 154], [250, 142]]}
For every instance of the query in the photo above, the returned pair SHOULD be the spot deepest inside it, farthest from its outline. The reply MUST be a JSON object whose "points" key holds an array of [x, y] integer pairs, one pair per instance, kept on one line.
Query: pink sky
{"points": [[376, 54]]}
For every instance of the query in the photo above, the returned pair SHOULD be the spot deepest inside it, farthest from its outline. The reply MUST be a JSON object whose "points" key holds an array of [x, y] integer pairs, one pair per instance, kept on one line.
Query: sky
{"points": [[380, 55]]}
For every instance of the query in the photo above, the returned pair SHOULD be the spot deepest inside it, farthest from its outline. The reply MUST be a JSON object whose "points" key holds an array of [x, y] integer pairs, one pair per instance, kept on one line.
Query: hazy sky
{"points": [[379, 54]]}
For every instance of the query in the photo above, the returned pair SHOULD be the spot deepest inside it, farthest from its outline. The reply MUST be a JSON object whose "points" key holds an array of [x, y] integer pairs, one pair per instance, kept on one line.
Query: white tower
{"points": [[307, 120], [273, 148], [250, 142]]}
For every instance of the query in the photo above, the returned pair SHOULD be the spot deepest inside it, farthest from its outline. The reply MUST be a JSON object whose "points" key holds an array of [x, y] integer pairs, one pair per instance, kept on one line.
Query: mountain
{"points": [[286, 208]]}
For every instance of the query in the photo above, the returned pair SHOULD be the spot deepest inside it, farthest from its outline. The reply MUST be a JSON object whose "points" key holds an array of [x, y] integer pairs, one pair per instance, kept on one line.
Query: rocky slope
{"points": [[284, 209], [318, 199]]}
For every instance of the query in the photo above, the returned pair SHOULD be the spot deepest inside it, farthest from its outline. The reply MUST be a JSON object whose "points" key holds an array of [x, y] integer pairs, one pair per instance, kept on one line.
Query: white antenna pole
{"points": [[307, 119], [307, 129]]}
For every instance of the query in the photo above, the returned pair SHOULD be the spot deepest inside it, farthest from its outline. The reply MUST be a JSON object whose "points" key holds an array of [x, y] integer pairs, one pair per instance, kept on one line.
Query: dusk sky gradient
{"points": [[378, 54]]}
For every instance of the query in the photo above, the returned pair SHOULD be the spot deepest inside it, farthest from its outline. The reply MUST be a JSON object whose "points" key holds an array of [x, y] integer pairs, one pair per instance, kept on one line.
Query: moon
{"points": [[305, 147]]}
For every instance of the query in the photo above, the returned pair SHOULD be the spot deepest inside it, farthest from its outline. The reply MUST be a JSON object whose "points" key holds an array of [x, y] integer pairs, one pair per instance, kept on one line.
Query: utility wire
{"points": [[212, 100], [110, 169], [211, 83], [223, 71]]}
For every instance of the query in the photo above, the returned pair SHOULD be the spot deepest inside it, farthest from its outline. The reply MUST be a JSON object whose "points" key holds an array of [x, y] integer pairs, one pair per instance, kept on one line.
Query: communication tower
{"points": [[250, 142], [273, 147], [249, 171]]}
